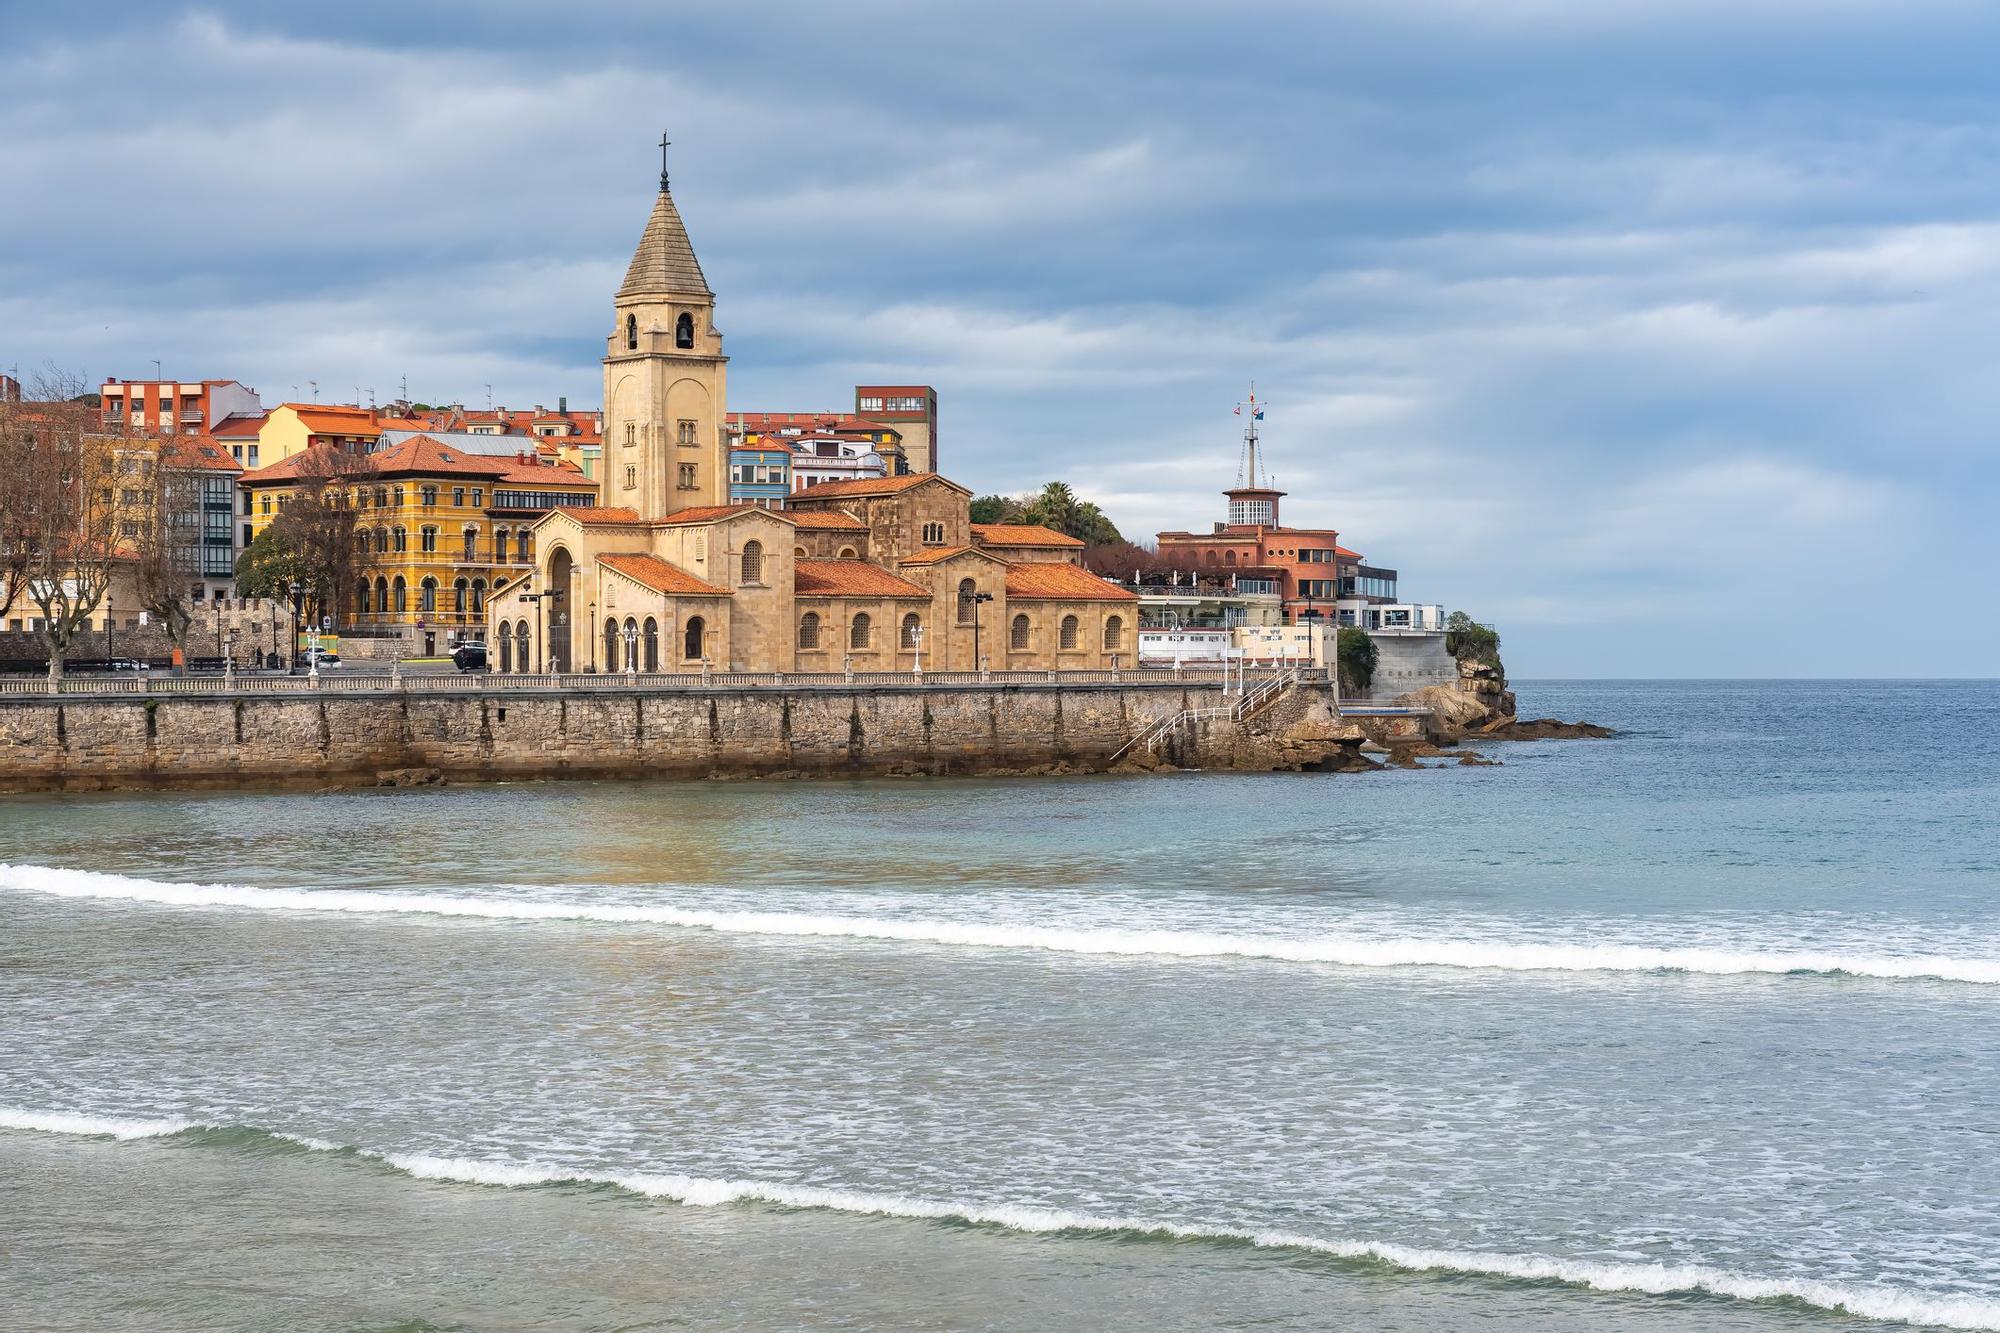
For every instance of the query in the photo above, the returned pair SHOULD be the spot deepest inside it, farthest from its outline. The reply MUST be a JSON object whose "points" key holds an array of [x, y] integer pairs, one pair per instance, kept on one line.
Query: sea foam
{"points": [[92, 1125], [1338, 950], [1884, 1303]]}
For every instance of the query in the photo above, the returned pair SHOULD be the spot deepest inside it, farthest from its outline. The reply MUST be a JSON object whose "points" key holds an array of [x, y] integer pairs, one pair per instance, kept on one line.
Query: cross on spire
{"points": [[665, 142]]}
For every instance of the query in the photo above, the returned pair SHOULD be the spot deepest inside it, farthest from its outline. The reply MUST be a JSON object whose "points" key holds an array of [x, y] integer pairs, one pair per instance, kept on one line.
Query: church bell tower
{"points": [[664, 377]]}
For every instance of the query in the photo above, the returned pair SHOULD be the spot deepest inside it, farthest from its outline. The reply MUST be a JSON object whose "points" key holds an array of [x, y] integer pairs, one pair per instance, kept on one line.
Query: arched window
{"points": [[968, 609], [798, 553], [402, 538], [1229, 557], [691, 641], [1017, 637], [427, 595], [396, 493], [382, 540], [521, 659], [1114, 634], [521, 545], [471, 543], [934, 534], [684, 331], [1066, 633], [427, 539], [479, 597], [381, 594], [381, 497], [913, 630], [631, 333], [857, 633], [459, 589], [361, 598], [402, 592], [809, 630], [611, 653], [652, 633], [1208, 557], [506, 649], [361, 542], [847, 553], [753, 562], [630, 636]]}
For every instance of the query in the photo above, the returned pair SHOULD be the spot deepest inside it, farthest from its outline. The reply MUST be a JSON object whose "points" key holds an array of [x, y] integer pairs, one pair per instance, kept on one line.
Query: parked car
{"points": [[325, 658], [469, 657]]}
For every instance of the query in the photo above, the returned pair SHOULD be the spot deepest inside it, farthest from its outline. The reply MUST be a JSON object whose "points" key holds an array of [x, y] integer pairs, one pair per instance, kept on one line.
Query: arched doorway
{"points": [[561, 576]]}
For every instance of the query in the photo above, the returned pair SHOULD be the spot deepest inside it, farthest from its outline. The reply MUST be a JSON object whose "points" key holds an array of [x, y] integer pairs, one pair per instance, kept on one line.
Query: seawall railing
{"points": [[475, 683]]}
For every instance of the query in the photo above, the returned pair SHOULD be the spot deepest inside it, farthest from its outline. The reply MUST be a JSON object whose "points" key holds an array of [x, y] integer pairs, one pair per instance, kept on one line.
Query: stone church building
{"points": [[883, 574]]}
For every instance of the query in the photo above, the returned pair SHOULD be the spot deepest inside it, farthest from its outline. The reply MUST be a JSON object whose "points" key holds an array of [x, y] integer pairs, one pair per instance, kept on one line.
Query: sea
{"points": [[1697, 1027]]}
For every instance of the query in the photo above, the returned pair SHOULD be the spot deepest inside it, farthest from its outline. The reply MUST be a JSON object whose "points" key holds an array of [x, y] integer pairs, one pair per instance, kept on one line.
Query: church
{"points": [[883, 574]]}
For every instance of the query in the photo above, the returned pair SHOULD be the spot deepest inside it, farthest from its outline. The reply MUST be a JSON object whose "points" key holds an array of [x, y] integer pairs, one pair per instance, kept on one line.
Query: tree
{"points": [[1356, 653], [1469, 641], [316, 526], [268, 567], [77, 503], [990, 509], [166, 566]]}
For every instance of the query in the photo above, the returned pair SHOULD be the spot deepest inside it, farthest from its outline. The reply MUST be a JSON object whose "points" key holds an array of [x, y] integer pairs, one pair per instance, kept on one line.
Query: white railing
{"points": [[1257, 690], [1253, 700]]}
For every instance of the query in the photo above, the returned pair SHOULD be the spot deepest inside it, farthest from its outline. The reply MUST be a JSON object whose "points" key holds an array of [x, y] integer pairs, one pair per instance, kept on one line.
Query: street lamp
{"points": [[917, 655], [592, 627], [298, 599], [631, 649], [109, 624]]}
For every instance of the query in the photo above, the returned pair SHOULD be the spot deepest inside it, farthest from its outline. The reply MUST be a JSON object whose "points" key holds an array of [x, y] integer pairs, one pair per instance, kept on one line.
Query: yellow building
{"points": [[290, 429], [437, 531]]}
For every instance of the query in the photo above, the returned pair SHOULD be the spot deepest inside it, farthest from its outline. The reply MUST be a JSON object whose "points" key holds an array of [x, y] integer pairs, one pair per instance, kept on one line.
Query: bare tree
{"points": [[166, 569], [85, 498], [319, 522]]}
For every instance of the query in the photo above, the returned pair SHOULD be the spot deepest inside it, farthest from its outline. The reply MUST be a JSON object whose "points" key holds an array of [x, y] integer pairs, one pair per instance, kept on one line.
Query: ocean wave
{"points": [[1338, 950], [92, 1125], [1882, 1303]]}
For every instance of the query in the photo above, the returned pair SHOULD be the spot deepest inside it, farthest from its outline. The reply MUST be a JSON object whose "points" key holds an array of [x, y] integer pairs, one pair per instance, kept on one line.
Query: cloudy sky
{"points": [[1660, 332]]}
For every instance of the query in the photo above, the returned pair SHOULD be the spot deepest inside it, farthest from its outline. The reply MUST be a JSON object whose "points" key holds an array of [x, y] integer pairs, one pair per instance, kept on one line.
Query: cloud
{"points": [[1598, 317]]}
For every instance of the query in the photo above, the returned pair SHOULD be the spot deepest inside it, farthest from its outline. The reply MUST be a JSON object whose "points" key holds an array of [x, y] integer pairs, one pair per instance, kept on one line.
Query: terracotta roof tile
{"points": [[657, 574], [849, 578], [1021, 534], [834, 520], [197, 452], [943, 554], [602, 516], [422, 456], [239, 427], [700, 514], [1062, 583], [834, 490]]}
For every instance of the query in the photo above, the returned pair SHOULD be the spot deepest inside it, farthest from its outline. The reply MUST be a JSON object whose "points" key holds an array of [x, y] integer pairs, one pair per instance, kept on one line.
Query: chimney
{"points": [[562, 404]]}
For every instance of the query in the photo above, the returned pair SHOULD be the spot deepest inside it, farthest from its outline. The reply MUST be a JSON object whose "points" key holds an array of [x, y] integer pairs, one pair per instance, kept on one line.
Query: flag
{"points": [[1239, 409], [1258, 415]]}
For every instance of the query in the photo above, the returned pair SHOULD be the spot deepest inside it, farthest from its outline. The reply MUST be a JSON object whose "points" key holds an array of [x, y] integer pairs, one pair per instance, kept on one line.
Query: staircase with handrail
{"points": [[1265, 693]]}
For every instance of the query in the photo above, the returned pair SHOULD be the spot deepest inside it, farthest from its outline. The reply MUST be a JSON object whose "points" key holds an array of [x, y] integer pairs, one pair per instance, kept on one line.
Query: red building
{"points": [[1254, 550]]}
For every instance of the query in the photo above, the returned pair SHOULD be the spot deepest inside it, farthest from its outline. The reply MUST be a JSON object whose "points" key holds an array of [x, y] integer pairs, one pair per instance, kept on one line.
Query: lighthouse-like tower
{"points": [[665, 377], [1253, 501]]}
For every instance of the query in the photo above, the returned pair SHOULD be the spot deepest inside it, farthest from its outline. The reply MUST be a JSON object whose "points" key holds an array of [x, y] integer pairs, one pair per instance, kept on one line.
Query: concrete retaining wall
{"points": [[1406, 662]]}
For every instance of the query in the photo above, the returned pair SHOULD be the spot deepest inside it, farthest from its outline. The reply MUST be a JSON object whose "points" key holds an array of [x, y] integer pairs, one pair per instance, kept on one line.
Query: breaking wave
{"points": [[1339, 950], [1884, 1303]]}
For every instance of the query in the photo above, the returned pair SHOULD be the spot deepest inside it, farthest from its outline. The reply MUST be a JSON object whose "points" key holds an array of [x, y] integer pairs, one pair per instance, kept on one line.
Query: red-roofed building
{"points": [[174, 407]]}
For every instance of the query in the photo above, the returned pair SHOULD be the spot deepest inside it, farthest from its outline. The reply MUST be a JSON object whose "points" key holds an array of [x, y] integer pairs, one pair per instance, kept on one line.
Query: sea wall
{"points": [[228, 738], [1405, 662]]}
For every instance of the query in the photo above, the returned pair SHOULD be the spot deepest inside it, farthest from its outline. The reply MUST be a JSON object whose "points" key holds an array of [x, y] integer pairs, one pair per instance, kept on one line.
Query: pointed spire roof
{"points": [[664, 264]]}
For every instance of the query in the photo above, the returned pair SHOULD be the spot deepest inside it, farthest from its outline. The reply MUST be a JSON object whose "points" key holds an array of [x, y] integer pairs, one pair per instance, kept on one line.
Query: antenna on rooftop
{"points": [[158, 374], [1247, 468], [315, 389], [406, 389], [489, 398], [371, 400]]}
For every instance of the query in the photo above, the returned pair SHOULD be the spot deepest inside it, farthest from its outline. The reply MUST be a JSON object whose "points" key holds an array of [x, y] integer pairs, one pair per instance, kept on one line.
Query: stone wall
{"points": [[224, 738]]}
